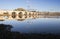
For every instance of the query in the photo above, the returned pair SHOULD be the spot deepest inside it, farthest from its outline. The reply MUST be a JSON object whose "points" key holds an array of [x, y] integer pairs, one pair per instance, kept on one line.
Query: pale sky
{"points": [[41, 5]]}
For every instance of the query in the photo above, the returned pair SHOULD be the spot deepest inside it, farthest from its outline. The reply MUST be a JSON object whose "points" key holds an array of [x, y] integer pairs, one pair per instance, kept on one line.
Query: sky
{"points": [[39, 5]]}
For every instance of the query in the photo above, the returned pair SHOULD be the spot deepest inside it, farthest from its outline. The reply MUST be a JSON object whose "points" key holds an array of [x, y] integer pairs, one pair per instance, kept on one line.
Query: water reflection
{"points": [[34, 23], [21, 17]]}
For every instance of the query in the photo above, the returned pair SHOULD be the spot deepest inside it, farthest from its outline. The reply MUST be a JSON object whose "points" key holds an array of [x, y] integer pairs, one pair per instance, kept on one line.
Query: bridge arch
{"points": [[13, 14], [20, 14]]}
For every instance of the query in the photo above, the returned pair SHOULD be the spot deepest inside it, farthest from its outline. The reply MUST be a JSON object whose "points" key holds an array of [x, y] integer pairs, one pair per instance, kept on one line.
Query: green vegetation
{"points": [[19, 9]]}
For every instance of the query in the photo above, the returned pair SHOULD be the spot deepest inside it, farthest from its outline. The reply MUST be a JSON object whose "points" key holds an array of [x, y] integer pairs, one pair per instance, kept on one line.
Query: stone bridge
{"points": [[16, 14]]}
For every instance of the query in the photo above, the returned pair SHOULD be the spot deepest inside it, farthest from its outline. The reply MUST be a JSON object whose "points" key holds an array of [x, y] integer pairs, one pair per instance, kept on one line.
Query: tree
{"points": [[19, 9], [4, 27]]}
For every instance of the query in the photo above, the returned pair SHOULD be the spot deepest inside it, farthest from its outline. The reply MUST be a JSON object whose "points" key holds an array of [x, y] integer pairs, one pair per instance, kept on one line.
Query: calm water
{"points": [[38, 25]]}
